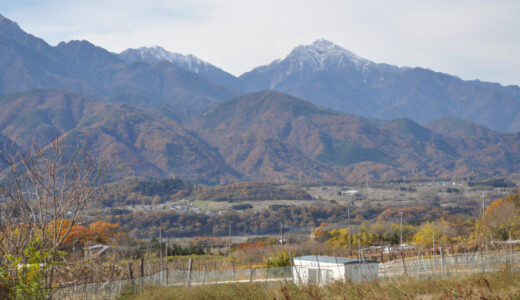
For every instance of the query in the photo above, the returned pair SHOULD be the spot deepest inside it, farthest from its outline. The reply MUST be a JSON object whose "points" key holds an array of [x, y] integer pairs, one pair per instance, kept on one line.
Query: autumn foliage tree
{"points": [[369, 235], [43, 192], [102, 232], [426, 235], [320, 232], [502, 218], [278, 260], [97, 232]]}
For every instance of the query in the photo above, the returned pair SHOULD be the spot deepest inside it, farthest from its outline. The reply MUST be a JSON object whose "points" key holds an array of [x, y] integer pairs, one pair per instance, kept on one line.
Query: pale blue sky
{"points": [[470, 39]]}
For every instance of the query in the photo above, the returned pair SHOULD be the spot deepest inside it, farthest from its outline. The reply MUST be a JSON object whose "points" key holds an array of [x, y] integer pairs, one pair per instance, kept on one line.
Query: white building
{"points": [[326, 269]]}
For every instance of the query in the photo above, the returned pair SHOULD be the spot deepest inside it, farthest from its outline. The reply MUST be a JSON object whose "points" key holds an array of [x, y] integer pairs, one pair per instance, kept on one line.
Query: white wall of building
{"points": [[318, 272], [360, 272]]}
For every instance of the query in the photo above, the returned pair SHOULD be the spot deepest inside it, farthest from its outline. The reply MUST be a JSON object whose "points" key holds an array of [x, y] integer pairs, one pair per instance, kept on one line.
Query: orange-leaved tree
{"points": [[102, 232], [502, 218]]}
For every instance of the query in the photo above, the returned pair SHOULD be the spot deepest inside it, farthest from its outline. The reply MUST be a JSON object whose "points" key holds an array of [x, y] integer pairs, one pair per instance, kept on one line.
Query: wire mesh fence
{"points": [[111, 289], [449, 265], [419, 267]]}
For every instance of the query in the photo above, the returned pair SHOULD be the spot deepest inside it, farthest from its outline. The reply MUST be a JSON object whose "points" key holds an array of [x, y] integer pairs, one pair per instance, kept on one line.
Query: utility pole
{"points": [[434, 243], [401, 230], [229, 241], [359, 249], [160, 246], [511, 250], [161, 255], [281, 232], [349, 232], [482, 205], [166, 246]]}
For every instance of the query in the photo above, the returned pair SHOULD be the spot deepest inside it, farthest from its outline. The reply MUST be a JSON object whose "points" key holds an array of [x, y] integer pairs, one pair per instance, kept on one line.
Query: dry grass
{"points": [[499, 285]]}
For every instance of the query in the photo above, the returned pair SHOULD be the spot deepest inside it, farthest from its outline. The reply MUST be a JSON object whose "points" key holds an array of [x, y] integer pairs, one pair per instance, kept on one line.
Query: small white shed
{"points": [[325, 269]]}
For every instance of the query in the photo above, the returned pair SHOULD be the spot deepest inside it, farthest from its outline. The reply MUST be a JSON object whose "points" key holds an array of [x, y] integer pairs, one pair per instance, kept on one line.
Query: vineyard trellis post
{"points": [[142, 272], [188, 276]]}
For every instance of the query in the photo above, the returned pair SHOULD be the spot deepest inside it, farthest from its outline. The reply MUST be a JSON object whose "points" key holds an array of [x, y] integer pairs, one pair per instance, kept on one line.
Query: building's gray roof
{"points": [[333, 260]]}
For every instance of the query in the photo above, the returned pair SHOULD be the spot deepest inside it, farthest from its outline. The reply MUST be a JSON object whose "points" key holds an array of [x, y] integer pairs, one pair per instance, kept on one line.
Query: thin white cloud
{"points": [[471, 39]]}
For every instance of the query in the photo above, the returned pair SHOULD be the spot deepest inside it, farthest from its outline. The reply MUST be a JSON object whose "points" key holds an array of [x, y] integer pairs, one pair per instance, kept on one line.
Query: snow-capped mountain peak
{"points": [[306, 61], [323, 53], [191, 63], [155, 54]]}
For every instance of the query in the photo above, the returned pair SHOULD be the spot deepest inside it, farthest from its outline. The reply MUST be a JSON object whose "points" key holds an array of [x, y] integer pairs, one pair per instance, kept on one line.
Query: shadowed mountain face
{"points": [[270, 134], [333, 77]]}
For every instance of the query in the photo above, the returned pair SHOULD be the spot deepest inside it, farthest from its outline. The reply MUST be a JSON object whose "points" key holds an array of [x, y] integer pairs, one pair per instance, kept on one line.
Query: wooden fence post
{"points": [[404, 265], [188, 277], [250, 271], [131, 274], [267, 273], [233, 270], [142, 273], [418, 265], [443, 272]]}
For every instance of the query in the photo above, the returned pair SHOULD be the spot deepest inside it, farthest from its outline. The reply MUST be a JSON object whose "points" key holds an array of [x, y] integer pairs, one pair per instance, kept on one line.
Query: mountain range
{"points": [[270, 134], [321, 113], [28, 62], [333, 77]]}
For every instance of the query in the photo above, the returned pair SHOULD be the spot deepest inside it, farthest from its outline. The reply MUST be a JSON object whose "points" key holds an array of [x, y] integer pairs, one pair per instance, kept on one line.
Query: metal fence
{"points": [[449, 265], [419, 267], [111, 289]]}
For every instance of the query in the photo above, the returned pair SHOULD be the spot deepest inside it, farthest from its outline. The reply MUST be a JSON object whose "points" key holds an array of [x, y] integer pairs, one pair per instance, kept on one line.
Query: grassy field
{"points": [[499, 285]]}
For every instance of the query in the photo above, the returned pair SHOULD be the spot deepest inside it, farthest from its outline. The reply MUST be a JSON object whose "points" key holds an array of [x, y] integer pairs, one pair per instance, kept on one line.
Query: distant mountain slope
{"points": [[39, 116], [88, 59], [27, 62], [166, 83], [453, 127], [7, 149], [137, 142], [270, 135], [143, 144], [265, 135], [407, 129], [331, 76], [156, 54]]}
